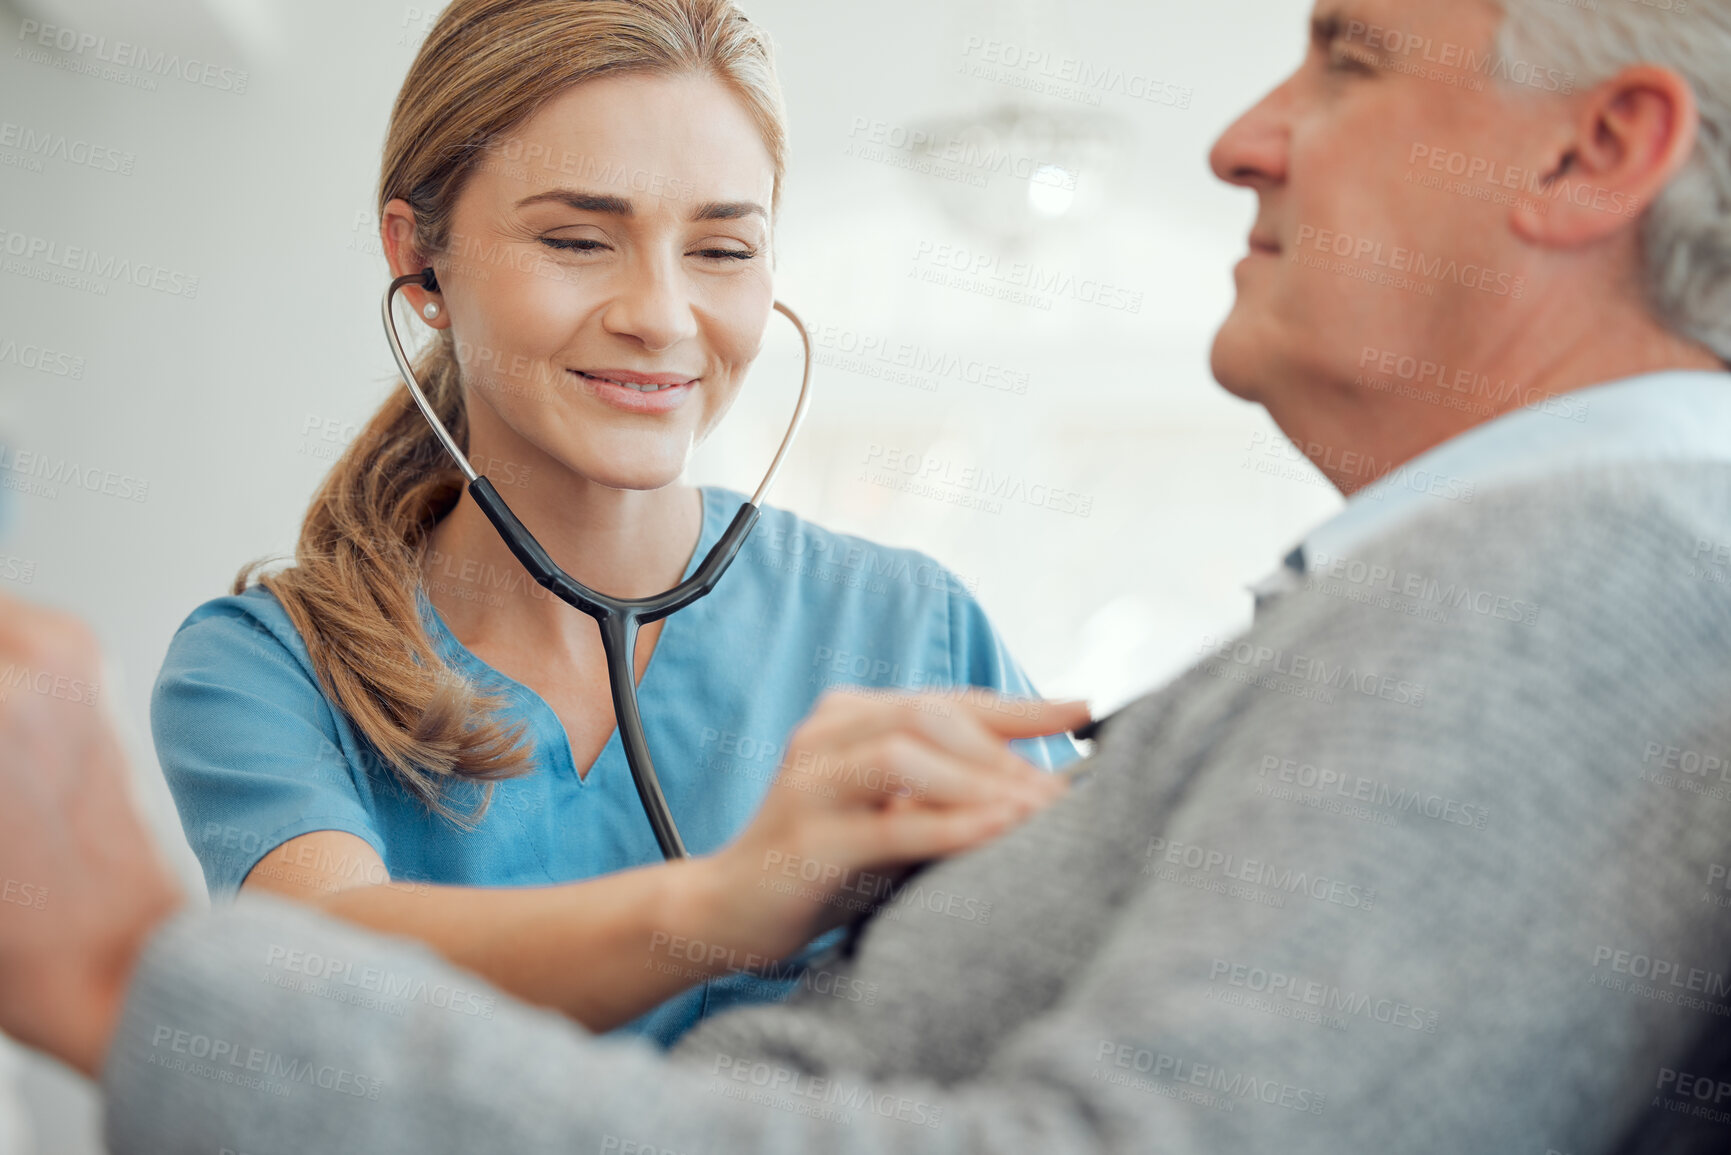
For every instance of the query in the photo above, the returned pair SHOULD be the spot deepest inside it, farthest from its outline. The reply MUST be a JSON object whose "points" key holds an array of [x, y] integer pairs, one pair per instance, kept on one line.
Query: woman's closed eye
{"points": [[574, 244], [591, 245]]}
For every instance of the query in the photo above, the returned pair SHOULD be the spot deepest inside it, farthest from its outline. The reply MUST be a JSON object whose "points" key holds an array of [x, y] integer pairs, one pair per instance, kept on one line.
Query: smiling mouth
{"points": [[640, 387]]}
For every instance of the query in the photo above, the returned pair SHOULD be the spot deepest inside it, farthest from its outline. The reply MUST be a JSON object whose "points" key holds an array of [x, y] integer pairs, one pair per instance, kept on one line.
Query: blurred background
{"points": [[999, 224]]}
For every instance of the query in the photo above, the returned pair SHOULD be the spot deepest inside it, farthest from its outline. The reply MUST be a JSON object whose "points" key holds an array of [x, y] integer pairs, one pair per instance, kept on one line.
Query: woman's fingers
{"points": [[874, 782], [847, 713], [1022, 717], [904, 764], [973, 726]]}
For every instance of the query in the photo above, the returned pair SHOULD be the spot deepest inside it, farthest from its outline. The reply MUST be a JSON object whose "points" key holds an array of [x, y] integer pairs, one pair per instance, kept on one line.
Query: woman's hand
{"points": [[872, 784]]}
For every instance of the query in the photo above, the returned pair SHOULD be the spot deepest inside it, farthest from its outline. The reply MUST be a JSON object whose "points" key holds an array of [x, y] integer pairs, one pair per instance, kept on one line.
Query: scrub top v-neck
{"points": [[559, 753], [255, 754]]}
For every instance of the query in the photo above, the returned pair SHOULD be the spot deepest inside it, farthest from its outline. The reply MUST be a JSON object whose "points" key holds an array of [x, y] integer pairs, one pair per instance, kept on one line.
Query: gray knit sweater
{"points": [[1434, 859]]}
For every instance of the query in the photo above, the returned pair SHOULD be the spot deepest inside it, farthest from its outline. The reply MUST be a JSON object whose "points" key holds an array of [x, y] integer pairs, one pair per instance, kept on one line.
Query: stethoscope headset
{"points": [[619, 619]]}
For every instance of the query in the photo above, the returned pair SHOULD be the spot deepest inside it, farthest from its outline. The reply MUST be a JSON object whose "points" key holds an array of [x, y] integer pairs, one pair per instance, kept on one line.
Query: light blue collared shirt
{"points": [[1676, 415]]}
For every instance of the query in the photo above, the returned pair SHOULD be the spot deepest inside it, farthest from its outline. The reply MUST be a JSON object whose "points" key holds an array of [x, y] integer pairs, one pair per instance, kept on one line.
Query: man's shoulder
{"points": [[1659, 524]]}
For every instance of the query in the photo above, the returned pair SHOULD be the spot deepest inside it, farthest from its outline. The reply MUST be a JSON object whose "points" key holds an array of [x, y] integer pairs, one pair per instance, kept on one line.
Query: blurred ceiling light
{"points": [[1052, 190], [1014, 172]]}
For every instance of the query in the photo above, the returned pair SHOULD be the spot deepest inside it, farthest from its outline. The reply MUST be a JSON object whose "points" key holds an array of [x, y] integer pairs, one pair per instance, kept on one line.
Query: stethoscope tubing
{"points": [[619, 619]]}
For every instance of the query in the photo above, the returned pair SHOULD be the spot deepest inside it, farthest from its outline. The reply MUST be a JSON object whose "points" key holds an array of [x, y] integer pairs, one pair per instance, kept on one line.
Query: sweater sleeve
{"points": [[1366, 879]]}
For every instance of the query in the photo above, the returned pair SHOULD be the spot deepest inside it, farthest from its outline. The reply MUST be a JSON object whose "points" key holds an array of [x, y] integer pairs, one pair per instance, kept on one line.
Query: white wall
{"points": [[263, 195]]}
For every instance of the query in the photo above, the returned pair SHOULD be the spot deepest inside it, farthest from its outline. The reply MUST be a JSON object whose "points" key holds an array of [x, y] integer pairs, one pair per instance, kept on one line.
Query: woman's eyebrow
{"points": [[588, 202], [728, 211], [582, 202]]}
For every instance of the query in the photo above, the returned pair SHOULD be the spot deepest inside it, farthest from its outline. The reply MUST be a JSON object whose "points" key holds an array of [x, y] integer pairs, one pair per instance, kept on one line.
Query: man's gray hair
{"points": [[1686, 232]]}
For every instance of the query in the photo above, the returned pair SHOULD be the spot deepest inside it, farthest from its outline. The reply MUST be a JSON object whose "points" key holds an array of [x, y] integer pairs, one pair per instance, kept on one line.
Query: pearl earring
{"points": [[430, 310]]}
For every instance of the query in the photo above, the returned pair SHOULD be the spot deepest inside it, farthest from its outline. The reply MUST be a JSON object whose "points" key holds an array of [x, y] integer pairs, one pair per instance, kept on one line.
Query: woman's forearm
{"points": [[604, 950]]}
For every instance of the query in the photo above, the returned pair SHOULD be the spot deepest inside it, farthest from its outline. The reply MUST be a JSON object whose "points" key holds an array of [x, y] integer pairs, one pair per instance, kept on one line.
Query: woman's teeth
{"points": [[628, 385]]}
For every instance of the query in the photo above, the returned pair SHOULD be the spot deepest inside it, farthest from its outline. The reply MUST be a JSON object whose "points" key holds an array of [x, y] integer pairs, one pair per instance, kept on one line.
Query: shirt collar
{"points": [[1676, 415]]}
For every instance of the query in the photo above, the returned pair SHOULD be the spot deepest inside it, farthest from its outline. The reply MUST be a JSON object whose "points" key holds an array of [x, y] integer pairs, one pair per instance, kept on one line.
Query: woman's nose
{"points": [[653, 308]]}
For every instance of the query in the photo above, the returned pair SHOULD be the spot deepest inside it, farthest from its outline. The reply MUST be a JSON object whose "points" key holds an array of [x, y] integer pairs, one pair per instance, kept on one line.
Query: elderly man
{"points": [[1435, 858]]}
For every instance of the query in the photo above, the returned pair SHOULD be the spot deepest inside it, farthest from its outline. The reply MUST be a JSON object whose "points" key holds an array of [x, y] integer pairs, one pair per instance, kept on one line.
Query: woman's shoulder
{"points": [[785, 543], [246, 629]]}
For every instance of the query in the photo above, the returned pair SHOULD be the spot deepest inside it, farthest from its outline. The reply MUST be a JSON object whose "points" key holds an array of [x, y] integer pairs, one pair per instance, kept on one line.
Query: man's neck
{"points": [[1355, 434]]}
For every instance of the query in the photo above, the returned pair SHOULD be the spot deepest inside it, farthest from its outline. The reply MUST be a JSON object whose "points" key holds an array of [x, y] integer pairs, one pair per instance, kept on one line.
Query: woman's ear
{"points": [[397, 236], [1629, 136]]}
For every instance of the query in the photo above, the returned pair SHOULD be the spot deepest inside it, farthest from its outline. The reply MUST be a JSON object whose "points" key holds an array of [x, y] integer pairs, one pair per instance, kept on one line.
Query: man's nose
{"points": [[1252, 152]]}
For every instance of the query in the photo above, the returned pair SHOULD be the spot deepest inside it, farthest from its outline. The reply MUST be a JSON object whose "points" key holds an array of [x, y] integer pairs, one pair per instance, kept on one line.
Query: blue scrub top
{"points": [[255, 754]]}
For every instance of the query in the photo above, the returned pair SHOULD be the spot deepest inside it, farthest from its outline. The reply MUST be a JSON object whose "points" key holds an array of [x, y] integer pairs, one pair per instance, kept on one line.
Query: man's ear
{"points": [[1629, 137]]}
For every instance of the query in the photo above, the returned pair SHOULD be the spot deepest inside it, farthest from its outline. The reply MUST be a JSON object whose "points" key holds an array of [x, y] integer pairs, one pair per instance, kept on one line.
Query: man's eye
{"points": [[1346, 58], [573, 244]]}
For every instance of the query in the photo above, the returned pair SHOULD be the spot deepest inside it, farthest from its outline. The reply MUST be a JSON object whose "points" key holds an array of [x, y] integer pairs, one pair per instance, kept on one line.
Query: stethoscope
{"points": [[619, 618]]}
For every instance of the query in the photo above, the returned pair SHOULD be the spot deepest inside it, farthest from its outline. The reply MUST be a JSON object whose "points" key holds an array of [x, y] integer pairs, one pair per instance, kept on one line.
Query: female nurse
{"points": [[405, 730]]}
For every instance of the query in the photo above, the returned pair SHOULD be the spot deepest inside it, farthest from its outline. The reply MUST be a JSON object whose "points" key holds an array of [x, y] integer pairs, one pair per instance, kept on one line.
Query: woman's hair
{"points": [[485, 69], [1686, 231]]}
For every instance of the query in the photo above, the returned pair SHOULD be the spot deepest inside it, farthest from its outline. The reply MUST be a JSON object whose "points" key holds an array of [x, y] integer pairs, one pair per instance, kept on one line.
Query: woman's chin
{"points": [[632, 477]]}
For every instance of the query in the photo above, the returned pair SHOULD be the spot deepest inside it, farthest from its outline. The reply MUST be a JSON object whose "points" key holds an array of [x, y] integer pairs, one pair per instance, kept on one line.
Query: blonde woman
{"points": [[406, 731]]}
